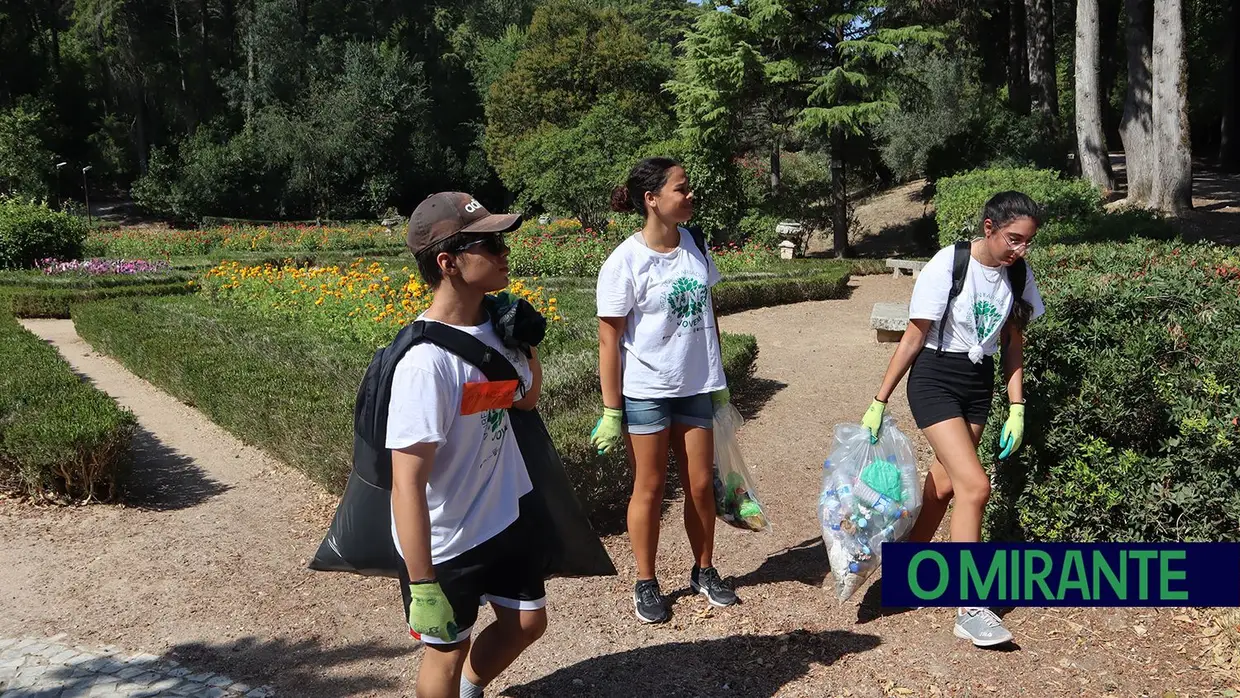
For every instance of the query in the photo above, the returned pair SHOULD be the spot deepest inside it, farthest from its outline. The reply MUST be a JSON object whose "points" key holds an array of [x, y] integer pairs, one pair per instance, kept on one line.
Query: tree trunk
{"points": [[775, 166], [1018, 58], [839, 194], [1090, 140], [176, 24], [1229, 145], [1041, 39], [1172, 190], [54, 23], [1137, 126], [249, 74]]}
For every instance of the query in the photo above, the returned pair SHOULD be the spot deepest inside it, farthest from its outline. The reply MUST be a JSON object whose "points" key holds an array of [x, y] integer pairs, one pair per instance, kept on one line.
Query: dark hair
{"points": [[1002, 209], [1007, 206], [649, 175], [428, 264]]}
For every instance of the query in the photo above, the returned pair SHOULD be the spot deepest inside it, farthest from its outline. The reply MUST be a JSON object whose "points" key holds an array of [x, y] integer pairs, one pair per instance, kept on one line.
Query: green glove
{"points": [[873, 419], [607, 433], [719, 398], [1013, 431], [430, 614]]}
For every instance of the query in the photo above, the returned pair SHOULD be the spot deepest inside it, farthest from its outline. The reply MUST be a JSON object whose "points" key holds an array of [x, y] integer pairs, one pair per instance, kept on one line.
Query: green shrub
{"points": [[1065, 202], [1133, 393], [30, 232], [736, 296], [59, 437], [291, 392], [56, 303]]}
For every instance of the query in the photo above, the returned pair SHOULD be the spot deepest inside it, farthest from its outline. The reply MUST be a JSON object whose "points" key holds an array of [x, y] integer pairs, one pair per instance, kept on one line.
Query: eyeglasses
{"points": [[493, 244], [1017, 245]]}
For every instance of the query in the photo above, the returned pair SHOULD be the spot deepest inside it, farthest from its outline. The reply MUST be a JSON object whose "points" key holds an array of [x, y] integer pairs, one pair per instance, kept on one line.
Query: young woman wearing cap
{"points": [[662, 374], [951, 381]]}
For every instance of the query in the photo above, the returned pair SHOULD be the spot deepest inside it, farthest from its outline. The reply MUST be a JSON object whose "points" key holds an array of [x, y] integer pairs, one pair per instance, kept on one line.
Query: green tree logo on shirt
{"points": [[493, 420], [687, 300], [986, 317]]}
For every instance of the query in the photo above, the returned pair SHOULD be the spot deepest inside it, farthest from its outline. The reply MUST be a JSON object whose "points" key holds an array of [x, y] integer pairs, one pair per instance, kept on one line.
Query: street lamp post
{"points": [[59, 202], [86, 192]]}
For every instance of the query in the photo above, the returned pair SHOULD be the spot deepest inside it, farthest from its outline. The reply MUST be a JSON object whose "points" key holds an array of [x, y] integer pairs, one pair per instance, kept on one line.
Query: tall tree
{"points": [[1137, 126], [769, 71], [1090, 139], [1040, 31], [1173, 165], [1018, 58]]}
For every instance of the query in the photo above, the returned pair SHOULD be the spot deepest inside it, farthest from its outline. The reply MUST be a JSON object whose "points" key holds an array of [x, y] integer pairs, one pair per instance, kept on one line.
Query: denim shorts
{"points": [[653, 416]]}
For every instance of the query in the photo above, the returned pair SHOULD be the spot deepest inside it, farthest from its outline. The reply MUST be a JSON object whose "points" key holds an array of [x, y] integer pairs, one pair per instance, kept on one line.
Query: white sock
{"points": [[468, 689]]}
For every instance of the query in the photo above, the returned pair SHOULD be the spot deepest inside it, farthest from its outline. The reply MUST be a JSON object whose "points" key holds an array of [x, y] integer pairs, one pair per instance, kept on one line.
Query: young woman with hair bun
{"points": [[661, 370]]}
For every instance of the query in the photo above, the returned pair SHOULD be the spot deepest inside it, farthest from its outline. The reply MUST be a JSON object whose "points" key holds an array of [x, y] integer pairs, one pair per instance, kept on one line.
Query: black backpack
{"points": [[360, 540], [1016, 273]]}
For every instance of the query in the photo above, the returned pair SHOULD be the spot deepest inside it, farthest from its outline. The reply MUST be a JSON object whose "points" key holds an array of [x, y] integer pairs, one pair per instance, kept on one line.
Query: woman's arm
{"points": [[910, 344], [610, 329], [1014, 362]]}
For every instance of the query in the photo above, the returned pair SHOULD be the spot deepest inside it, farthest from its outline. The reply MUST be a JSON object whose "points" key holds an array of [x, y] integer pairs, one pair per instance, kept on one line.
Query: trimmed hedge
{"points": [[736, 296], [60, 437], [1133, 392], [57, 302], [292, 393], [31, 231], [959, 200]]}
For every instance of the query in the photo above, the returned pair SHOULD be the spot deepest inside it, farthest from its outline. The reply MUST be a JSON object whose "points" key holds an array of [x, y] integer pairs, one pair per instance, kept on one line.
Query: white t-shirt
{"points": [[669, 348], [978, 313], [478, 473]]}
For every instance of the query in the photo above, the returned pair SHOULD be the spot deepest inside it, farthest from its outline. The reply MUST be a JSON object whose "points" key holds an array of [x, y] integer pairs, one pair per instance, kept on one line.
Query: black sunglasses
{"points": [[493, 244]]}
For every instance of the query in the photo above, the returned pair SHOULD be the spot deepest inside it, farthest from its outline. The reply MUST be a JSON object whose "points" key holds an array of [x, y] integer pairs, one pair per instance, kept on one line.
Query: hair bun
{"points": [[620, 201]]}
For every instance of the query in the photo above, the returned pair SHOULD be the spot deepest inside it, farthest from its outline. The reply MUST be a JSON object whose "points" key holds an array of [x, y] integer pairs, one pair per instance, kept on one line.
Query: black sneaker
{"points": [[707, 583], [648, 602]]}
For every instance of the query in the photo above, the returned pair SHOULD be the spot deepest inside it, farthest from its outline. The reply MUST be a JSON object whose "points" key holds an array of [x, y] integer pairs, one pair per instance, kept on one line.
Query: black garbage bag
{"points": [[359, 539]]}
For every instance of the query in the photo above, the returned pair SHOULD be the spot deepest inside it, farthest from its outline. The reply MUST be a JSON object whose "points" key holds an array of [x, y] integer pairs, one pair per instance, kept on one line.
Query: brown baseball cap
{"points": [[445, 214]]}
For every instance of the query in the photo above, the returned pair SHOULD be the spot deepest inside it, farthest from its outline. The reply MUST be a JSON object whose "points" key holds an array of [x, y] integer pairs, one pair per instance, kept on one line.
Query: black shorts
{"points": [[508, 570], [949, 386]]}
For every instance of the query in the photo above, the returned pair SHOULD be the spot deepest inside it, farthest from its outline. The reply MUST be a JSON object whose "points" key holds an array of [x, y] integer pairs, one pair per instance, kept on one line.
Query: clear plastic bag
{"points": [[736, 501], [871, 494]]}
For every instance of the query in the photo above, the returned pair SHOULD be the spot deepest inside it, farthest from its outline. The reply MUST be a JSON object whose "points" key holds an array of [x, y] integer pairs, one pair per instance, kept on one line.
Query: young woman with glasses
{"points": [[948, 354]]}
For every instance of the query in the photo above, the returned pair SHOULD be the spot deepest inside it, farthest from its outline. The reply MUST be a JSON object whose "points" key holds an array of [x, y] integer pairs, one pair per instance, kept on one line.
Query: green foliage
{"points": [[573, 170], [31, 231], [947, 121], [25, 162], [58, 302], [335, 152], [1066, 202], [736, 296], [60, 437], [579, 104], [776, 75], [1133, 398]]}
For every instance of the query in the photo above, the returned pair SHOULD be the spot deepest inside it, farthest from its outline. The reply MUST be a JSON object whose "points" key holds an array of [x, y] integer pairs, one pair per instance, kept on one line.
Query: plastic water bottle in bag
{"points": [[871, 494]]}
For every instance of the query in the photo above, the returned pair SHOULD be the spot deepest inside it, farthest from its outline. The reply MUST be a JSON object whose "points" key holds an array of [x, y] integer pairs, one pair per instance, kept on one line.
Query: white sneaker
{"points": [[982, 627]]}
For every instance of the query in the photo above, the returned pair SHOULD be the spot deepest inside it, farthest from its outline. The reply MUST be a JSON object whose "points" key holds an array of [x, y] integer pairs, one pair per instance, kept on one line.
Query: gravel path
{"points": [[210, 570]]}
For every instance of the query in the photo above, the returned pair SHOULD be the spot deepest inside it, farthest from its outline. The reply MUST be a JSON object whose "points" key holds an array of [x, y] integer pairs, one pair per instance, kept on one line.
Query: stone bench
{"points": [[900, 266], [888, 320]]}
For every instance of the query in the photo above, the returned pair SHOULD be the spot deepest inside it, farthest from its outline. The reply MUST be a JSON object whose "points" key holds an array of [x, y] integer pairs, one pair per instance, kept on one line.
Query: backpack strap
{"points": [[494, 365], [960, 267], [699, 238]]}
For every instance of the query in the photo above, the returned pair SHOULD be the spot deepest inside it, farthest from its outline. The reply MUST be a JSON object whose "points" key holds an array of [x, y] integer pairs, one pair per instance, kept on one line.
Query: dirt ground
{"points": [[206, 566]]}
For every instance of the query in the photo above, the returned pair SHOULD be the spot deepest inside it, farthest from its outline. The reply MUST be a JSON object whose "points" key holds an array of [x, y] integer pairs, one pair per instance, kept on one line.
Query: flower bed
{"points": [[133, 242], [97, 267], [364, 301]]}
